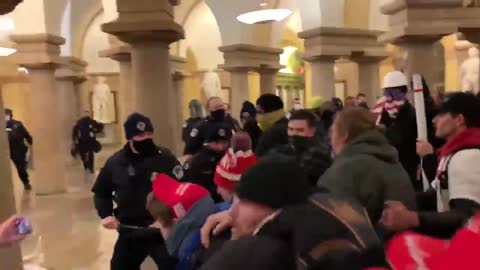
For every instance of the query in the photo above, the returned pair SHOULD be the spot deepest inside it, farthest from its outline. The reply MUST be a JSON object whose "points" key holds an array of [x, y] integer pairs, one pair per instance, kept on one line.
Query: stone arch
{"points": [[377, 20], [321, 13], [85, 13], [93, 41], [199, 22], [357, 13]]}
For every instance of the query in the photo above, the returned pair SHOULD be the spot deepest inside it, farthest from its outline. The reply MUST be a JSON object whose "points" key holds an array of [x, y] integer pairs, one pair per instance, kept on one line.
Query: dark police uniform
{"points": [[126, 178], [85, 141], [190, 124], [199, 133], [17, 135]]}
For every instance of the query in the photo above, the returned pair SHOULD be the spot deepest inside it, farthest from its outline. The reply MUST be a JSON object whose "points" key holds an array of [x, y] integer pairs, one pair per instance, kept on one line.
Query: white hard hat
{"points": [[394, 79]]}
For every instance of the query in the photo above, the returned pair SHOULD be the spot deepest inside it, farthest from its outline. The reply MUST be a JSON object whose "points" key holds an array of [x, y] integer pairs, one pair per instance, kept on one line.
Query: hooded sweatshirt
{"points": [[368, 170]]}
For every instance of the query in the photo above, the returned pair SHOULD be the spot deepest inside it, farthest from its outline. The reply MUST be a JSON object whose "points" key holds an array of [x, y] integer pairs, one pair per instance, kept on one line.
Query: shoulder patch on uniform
{"points": [[221, 132], [178, 172], [194, 133]]}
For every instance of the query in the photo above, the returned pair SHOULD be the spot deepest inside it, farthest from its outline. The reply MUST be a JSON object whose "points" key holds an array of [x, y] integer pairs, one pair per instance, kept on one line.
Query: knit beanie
{"points": [[231, 168], [241, 142], [248, 110], [270, 103], [275, 181], [137, 124]]}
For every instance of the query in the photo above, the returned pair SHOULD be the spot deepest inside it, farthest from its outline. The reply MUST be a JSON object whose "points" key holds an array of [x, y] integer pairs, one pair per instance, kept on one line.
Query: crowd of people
{"points": [[334, 186]]}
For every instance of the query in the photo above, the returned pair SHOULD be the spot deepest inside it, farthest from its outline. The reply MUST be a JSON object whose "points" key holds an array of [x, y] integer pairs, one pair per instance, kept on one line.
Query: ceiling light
{"points": [[264, 16], [6, 51]]}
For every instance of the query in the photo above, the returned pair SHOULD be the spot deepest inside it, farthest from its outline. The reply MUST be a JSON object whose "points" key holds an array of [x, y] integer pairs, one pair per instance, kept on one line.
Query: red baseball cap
{"points": [[179, 196]]}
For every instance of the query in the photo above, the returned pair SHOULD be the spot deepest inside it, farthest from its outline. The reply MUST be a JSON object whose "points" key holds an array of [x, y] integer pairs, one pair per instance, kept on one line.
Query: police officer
{"points": [[85, 141], [17, 135], [196, 117], [216, 114], [126, 179], [200, 169], [311, 153]]}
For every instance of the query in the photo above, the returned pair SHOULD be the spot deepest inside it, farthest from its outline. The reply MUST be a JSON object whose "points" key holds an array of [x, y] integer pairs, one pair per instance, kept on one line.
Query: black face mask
{"points": [[218, 115], [146, 147], [300, 143]]}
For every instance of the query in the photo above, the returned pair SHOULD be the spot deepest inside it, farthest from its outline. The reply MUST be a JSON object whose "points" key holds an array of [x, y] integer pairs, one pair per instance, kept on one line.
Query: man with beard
{"points": [[200, 169], [216, 115], [126, 179], [312, 155]]}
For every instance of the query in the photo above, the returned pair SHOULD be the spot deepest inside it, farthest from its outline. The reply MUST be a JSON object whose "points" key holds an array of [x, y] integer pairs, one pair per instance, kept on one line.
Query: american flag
{"points": [[378, 108]]}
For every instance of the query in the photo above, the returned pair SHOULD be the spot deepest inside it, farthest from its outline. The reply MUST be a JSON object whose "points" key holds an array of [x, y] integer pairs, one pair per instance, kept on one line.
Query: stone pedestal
{"points": [[70, 73], [126, 93], [369, 77], [242, 58], [268, 78], [10, 258], [324, 45], [149, 29], [40, 55]]}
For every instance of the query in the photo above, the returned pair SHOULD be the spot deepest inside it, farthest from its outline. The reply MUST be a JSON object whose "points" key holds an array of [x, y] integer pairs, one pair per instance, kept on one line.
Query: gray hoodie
{"points": [[369, 171]]}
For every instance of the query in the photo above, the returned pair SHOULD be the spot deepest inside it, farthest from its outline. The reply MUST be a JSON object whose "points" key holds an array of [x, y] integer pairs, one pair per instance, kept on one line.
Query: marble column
{"points": [[239, 89], [369, 77], [126, 93], [420, 57], [69, 74], [10, 258], [149, 28], [323, 76], [39, 53], [268, 79]]}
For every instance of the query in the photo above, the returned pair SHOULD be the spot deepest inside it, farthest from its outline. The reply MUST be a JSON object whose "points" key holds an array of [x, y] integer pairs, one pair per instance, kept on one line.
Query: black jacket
{"points": [[253, 130], [274, 137], [315, 160], [127, 179], [84, 134], [17, 135], [200, 169], [188, 126], [198, 133], [402, 134]]}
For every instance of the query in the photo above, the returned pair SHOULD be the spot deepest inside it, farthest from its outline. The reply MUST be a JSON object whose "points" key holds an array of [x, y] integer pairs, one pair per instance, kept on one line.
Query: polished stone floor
{"points": [[67, 232]]}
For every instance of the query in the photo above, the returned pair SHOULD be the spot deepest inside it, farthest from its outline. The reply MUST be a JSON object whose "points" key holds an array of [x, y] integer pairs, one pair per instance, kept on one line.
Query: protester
{"points": [[8, 232], [196, 117], [366, 166], [216, 116], [399, 118], [271, 119], [456, 188], [362, 101], [350, 102], [200, 169], [415, 251], [19, 142], [311, 152], [276, 223], [235, 162], [126, 179], [84, 137], [180, 209], [248, 116]]}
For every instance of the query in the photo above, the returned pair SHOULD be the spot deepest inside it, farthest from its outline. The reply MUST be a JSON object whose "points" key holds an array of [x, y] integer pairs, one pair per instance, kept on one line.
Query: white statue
{"points": [[211, 84], [103, 102], [469, 71]]}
